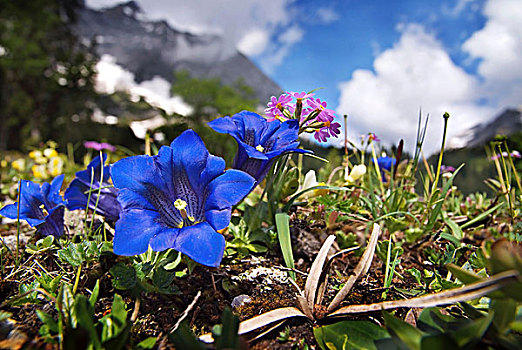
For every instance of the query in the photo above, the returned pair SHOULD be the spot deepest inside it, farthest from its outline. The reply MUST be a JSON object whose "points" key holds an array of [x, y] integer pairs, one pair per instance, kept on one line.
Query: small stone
{"points": [[240, 300]]}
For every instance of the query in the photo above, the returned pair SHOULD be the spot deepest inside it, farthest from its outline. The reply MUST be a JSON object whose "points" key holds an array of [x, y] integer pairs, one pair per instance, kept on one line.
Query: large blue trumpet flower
{"points": [[91, 181], [41, 206], [259, 141], [177, 199]]}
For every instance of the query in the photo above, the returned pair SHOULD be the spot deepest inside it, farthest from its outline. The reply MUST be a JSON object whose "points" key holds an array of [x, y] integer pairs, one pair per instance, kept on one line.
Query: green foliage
{"points": [[283, 233], [46, 73], [209, 97], [148, 274], [77, 326], [352, 335]]}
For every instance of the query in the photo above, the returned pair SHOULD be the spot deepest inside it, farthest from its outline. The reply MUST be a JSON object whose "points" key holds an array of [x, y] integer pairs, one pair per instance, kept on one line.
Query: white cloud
{"points": [[280, 48], [112, 77], [415, 73], [499, 46], [254, 42], [291, 36], [327, 15]]}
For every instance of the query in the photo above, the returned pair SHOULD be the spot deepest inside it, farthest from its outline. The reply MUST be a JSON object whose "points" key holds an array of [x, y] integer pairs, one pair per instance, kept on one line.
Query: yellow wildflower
{"points": [[19, 164], [39, 171], [50, 153]]}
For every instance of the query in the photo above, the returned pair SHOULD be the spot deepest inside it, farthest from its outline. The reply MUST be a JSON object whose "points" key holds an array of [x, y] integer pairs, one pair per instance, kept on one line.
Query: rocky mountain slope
{"points": [[507, 123], [154, 48]]}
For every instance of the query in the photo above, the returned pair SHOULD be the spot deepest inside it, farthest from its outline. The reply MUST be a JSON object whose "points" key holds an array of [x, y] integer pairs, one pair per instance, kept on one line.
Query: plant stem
{"points": [[77, 279], [441, 154], [18, 257]]}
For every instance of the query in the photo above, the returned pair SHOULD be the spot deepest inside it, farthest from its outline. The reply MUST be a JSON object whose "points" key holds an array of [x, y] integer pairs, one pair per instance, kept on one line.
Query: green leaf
{"points": [[172, 265], [482, 215], [404, 332], [47, 320], [455, 229], [438, 342], [163, 279], [350, 335], [465, 276], [183, 338], [283, 233], [72, 255], [84, 313], [472, 332], [118, 311], [65, 304], [438, 206], [228, 337], [94, 295], [147, 343], [124, 276], [4, 315], [504, 313]]}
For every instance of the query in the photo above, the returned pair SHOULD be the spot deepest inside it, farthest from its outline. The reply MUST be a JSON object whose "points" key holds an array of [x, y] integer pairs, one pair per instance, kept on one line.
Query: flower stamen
{"points": [[260, 148]]}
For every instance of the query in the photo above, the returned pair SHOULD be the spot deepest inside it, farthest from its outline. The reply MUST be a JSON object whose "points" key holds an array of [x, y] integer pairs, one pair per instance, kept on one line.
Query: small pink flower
{"points": [[99, 146], [325, 114], [373, 137], [299, 95], [276, 105]]}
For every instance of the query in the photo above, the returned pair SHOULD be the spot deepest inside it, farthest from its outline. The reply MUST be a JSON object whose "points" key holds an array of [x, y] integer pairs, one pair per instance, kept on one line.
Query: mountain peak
{"points": [[508, 122], [153, 48]]}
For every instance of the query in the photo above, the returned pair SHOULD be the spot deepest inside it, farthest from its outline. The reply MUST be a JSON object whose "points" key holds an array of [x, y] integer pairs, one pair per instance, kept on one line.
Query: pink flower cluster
{"points": [[514, 154], [312, 113], [99, 146]]}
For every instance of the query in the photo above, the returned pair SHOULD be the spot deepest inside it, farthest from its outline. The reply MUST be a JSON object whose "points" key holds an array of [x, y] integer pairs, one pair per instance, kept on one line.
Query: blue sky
{"points": [[378, 61]]}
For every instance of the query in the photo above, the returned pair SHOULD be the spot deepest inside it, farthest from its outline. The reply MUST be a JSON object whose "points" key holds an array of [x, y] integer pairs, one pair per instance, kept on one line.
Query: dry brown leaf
{"points": [[314, 276], [447, 297], [362, 268]]}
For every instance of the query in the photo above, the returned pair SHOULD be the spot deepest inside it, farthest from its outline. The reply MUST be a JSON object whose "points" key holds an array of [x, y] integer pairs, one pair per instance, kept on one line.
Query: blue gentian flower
{"points": [[385, 163], [41, 206], [177, 199], [77, 194], [259, 141]]}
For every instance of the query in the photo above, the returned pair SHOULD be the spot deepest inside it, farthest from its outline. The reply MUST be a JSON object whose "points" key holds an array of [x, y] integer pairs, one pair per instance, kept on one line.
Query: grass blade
{"points": [[283, 234]]}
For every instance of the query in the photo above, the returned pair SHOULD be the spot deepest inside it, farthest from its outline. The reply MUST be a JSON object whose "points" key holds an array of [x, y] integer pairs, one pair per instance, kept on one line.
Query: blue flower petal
{"points": [[11, 211], [31, 202], [135, 173], [131, 199], [94, 167], [252, 152], [53, 224], [224, 125], [75, 196], [201, 243], [228, 189], [164, 240], [189, 153], [107, 204], [215, 167], [219, 219], [54, 191], [134, 230]]}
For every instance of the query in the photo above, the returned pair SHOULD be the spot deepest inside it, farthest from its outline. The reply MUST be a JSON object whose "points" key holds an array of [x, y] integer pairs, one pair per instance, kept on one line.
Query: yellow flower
{"points": [[55, 166], [3, 163], [35, 154], [39, 171], [19, 164], [50, 152]]}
